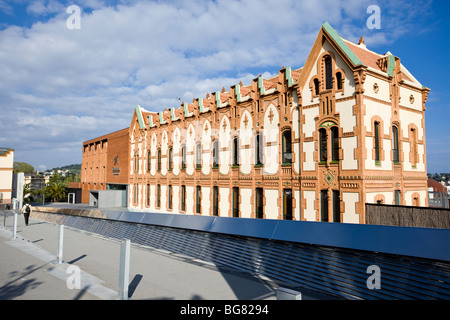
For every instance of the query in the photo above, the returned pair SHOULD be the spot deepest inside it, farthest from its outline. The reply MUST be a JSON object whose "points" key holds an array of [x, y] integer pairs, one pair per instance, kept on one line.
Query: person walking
{"points": [[26, 210]]}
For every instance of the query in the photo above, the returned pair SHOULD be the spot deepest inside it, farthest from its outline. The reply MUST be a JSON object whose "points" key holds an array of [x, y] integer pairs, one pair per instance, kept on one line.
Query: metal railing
{"points": [[326, 257], [438, 199]]}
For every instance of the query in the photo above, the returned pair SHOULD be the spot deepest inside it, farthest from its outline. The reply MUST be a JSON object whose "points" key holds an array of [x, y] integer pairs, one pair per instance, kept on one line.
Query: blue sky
{"points": [[60, 87]]}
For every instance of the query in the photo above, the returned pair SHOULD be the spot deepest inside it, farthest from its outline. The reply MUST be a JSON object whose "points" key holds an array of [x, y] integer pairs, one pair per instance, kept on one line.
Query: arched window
{"points": [[149, 160], [198, 156], [259, 149], [159, 160], [339, 80], [328, 73], [235, 151], [334, 144], [216, 154], [395, 154], [183, 157], [316, 86], [323, 145], [286, 147], [377, 140]]}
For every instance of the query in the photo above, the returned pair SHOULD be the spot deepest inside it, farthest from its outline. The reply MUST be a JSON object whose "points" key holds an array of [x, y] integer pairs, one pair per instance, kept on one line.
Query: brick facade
{"points": [[314, 143], [105, 161]]}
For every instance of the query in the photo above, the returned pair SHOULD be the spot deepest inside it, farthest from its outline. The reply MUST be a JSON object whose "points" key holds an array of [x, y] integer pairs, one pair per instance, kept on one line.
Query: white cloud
{"points": [[61, 85], [45, 7]]}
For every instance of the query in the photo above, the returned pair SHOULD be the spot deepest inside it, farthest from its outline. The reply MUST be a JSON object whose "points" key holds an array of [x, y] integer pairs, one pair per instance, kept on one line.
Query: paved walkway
{"points": [[28, 269]]}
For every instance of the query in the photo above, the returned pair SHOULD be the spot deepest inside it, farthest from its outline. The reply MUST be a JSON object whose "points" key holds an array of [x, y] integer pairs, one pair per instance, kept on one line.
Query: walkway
{"points": [[28, 269]]}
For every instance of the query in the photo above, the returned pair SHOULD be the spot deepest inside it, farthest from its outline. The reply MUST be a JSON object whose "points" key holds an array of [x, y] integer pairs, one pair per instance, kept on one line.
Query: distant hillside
{"points": [[75, 168]]}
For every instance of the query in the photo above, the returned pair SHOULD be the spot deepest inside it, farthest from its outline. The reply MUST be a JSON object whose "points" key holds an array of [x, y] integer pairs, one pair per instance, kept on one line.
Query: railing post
{"points": [[60, 243], [15, 225], [124, 269], [288, 294]]}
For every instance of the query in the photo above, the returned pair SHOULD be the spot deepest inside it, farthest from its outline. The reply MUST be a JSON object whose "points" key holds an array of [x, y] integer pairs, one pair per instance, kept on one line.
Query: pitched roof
{"points": [[367, 57], [357, 54]]}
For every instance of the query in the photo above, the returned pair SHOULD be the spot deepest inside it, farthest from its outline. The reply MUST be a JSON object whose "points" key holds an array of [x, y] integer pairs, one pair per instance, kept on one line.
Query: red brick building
{"points": [[314, 143], [105, 163]]}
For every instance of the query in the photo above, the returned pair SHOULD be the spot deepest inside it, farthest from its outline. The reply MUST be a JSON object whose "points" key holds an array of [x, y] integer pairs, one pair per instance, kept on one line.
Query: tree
{"points": [[22, 167], [56, 191]]}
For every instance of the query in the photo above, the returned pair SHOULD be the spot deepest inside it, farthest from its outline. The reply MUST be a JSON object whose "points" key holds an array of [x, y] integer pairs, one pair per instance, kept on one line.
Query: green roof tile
{"points": [[338, 40]]}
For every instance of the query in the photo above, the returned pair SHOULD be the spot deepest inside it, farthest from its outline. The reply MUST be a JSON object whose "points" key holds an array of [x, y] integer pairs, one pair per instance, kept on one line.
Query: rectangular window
{"points": [[286, 147], [236, 151], [148, 195], [216, 154], [328, 73], [334, 144], [259, 204], [215, 201], [397, 197], [287, 204], [235, 202], [395, 156], [414, 154], [183, 198], [170, 159], [259, 149], [159, 160], [183, 157], [158, 196], [336, 206], [324, 205], [198, 199], [198, 156], [136, 162], [377, 141], [323, 145], [170, 196]]}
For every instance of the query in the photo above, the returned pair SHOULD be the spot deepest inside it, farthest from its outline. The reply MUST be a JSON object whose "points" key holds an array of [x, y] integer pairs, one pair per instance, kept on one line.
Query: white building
{"points": [[6, 175]]}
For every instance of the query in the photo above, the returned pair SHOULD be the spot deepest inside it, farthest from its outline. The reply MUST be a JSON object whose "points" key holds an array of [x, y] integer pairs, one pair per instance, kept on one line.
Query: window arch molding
{"points": [[286, 145], [395, 130], [378, 135], [329, 134], [198, 154], [259, 148], [322, 72], [314, 85], [340, 82]]}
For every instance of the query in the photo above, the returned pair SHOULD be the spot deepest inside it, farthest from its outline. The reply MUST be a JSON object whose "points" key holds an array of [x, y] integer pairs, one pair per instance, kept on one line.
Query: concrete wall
{"points": [[106, 198]]}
